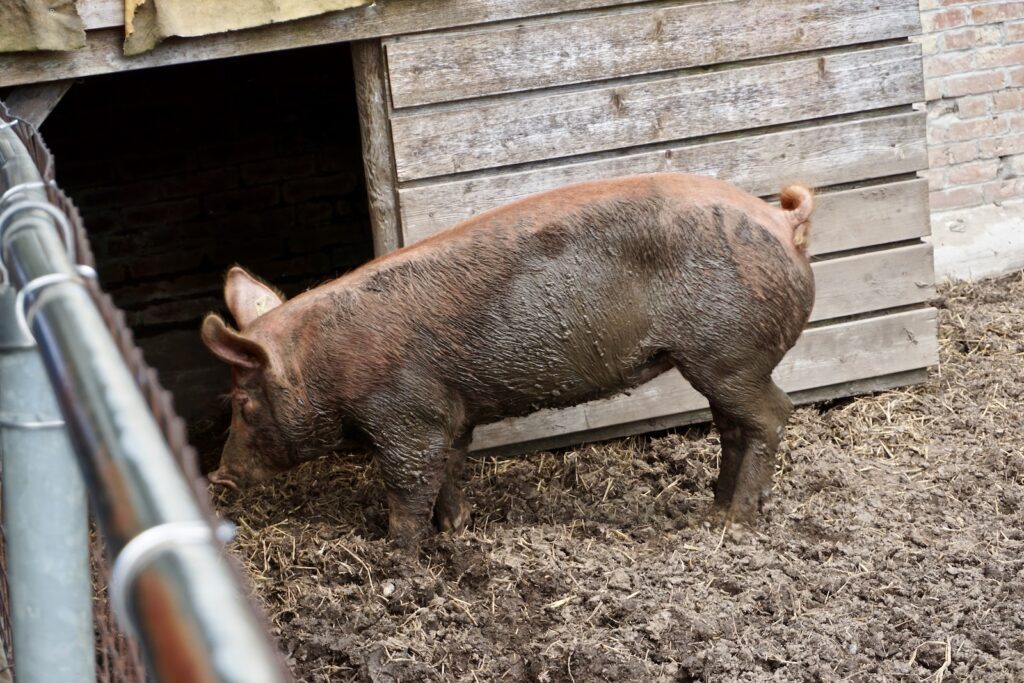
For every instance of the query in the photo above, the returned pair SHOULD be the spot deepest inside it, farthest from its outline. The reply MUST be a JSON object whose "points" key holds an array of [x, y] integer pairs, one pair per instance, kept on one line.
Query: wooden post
{"points": [[378, 151]]}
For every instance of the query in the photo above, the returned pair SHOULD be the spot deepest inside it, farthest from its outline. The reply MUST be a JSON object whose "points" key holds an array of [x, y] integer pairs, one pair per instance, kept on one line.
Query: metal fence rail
{"points": [[170, 583]]}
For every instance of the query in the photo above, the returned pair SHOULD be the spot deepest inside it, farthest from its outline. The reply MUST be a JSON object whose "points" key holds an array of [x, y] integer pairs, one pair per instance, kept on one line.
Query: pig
{"points": [[571, 295]]}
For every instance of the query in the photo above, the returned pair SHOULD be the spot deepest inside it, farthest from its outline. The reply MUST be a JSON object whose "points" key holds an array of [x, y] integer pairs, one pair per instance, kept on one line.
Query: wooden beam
{"points": [[546, 52], [378, 154], [33, 103], [819, 155], [103, 48], [388, 17], [824, 356]]}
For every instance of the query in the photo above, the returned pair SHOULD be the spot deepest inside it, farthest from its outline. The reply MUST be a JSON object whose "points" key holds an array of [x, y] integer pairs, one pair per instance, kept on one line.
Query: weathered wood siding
{"points": [[513, 56], [104, 21], [760, 93]]}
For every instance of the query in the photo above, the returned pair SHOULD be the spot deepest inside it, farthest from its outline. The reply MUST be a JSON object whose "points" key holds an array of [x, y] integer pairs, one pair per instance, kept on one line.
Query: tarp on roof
{"points": [[40, 25], [147, 22]]}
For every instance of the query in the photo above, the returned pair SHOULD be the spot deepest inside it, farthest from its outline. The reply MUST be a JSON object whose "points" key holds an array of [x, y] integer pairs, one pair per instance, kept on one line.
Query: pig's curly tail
{"points": [[798, 203]]}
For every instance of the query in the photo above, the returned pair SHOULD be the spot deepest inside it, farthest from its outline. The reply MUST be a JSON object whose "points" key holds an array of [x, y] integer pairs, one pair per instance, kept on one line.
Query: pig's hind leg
{"points": [[756, 419], [750, 413]]}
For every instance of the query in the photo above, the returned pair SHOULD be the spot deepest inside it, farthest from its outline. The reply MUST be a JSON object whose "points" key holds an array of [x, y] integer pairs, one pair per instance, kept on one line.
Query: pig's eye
{"points": [[249, 410]]}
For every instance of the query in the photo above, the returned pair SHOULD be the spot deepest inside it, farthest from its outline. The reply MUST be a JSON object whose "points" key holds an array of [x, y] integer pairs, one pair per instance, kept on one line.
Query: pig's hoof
{"points": [[407, 542], [455, 517]]}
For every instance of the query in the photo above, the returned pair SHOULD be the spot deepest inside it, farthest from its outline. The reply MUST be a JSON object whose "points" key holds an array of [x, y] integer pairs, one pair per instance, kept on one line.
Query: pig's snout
{"points": [[223, 477]]}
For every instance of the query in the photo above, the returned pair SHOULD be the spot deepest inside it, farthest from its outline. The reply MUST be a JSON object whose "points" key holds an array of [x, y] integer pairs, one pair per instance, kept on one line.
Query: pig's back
{"points": [[583, 292]]}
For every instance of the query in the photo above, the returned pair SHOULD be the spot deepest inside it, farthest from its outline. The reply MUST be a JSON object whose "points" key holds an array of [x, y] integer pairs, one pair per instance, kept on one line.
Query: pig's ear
{"points": [[230, 346], [247, 297]]}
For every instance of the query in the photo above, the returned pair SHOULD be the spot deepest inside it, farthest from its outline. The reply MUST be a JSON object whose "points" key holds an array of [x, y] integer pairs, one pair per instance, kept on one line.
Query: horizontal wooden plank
{"points": [[522, 128], [873, 281], [540, 53], [820, 155], [102, 52], [869, 216], [654, 424], [823, 356]]}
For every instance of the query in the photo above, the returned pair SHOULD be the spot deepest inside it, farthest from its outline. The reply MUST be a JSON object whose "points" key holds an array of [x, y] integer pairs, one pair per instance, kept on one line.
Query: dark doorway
{"points": [[182, 171]]}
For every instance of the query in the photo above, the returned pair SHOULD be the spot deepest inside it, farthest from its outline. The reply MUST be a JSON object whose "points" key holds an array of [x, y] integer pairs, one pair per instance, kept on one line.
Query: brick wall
{"points": [[974, 80], [182, 171], [974, 70]]}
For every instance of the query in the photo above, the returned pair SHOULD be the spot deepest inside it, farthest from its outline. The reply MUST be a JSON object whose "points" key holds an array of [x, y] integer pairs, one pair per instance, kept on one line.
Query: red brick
{"points": [[956, 198], [1015, 31], [1001, 190], [956, 153], [1011, 55], [1002, 145], [945, 64], [943, 19], [973, 173], [1016, 76], [957, 131], [969, 38], [932, 89], [973, 84], [997, 11], [973, 106], [1008, 100]]}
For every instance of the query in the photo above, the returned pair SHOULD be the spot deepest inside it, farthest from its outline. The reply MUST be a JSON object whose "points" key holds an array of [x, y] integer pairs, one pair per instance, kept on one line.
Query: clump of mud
{"points": [[894, 549]]}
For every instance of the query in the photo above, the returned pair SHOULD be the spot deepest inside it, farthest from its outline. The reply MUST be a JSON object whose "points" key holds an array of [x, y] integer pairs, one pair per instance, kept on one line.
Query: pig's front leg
{"points": [[413, 480], [452, 511], [417, 466]]}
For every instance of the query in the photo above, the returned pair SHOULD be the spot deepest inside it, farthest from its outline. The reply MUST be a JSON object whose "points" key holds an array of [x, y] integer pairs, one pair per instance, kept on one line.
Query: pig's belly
{"points": [[560, 388]]}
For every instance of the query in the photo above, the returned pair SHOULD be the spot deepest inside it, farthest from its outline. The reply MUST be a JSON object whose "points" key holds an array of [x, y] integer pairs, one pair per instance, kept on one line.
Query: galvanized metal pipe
{"points": [[45, 519], [172, 587]]}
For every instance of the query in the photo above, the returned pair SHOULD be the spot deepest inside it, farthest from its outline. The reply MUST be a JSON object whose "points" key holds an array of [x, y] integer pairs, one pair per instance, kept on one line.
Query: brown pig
{"points": [[563, 297]]}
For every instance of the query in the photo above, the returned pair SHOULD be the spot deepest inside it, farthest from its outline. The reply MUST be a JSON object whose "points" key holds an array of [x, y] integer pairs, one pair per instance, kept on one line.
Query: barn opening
{"points": [[181, 172]]}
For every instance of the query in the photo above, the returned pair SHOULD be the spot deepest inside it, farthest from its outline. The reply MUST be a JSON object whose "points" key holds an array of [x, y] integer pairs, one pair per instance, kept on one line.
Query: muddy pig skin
{"points": [[563, 297]]}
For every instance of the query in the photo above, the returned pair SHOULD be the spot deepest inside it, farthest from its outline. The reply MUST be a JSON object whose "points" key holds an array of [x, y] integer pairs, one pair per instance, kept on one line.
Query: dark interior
{"points": [[182, 171]]}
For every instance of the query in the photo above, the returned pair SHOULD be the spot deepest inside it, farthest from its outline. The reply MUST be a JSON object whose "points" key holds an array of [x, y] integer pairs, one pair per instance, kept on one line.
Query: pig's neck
{"points": [[318, 354]]}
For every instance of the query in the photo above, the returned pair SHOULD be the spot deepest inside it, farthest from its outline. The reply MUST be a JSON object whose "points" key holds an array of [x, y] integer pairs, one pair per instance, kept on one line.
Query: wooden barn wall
{"points": [[757, 93]]}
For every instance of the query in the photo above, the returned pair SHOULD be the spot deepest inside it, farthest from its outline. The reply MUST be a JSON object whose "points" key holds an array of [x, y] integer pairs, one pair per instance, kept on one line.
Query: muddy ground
{"points": [[894, 550]]}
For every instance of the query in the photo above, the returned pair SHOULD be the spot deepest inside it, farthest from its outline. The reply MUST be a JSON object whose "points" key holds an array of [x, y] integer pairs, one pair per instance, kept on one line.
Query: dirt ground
{"points": [[894, 549]]}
